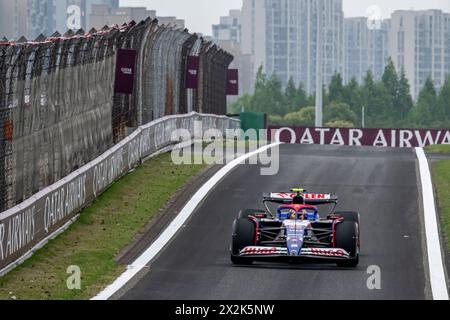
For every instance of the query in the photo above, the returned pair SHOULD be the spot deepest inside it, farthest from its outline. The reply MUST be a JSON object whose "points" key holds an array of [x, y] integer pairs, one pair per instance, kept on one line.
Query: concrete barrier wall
{"points": [[29, 225]]}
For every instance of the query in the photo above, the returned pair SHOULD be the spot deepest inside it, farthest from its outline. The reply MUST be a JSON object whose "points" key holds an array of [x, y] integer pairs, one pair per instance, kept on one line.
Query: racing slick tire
{"points": [[349, 216], [243, 236], [347, 239], [244, 214]]}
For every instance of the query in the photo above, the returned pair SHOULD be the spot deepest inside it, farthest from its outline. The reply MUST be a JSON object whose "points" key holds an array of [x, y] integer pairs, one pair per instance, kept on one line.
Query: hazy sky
{"points": [[201, 14]]}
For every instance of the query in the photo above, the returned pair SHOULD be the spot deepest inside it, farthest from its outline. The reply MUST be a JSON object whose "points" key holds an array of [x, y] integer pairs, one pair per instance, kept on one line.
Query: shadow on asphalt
{"points": [[297, 266]]}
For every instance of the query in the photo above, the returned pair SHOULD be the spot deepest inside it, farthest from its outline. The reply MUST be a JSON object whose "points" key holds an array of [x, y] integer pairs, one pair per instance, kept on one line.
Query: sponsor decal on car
{"points": [[326, 252], [308, 196], [253, 251]]}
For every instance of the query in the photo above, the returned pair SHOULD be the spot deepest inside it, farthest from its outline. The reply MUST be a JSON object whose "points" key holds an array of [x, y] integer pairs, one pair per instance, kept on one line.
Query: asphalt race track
{"points": [[382, 184]]}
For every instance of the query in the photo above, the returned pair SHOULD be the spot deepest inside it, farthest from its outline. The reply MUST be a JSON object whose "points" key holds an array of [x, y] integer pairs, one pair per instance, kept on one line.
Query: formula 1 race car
{"points": [[296, 232]]}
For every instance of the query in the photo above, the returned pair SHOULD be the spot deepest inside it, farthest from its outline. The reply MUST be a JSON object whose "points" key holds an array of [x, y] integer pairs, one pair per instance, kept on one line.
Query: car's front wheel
{"points": [[244, 233], [347, 239]]}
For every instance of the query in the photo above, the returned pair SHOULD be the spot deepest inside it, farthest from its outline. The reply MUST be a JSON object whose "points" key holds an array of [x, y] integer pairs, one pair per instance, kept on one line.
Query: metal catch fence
{"points": [[58, 108]]}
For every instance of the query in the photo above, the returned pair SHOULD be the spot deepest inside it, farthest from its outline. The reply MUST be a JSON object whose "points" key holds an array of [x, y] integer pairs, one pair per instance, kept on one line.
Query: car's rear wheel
{"points": [[243, 236], [347, 238], [244, 214]]}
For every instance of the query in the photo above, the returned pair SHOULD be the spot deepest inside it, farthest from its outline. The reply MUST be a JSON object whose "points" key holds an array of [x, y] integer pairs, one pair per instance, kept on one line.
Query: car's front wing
{"points": [[274, 253]]}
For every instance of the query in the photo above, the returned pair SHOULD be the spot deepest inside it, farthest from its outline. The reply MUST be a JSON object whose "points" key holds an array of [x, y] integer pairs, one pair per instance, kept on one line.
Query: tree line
{"points": [[387, 103]]}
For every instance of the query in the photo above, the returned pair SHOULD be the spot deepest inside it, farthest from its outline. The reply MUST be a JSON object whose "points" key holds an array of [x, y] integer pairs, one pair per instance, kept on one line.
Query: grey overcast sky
{"points": [[200, 15]]}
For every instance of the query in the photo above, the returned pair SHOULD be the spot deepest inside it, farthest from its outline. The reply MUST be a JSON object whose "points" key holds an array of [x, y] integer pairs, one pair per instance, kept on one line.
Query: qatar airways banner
{"points": [[395, 138]]}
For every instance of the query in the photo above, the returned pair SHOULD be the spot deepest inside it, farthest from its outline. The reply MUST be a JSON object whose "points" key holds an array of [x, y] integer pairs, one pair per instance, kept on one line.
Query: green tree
{"points": [[259, 99], [425, 112], [389, 86], [336, 89], [291, 96], [377, 102], [339, 112], [302, 97], [369, 90], [275, 102], [304, 117], [390, 79], [404, 102], [276, 120], [340, 124], [311, 100], [353, 97], [444, 100], [295, 98], [244, 103]]}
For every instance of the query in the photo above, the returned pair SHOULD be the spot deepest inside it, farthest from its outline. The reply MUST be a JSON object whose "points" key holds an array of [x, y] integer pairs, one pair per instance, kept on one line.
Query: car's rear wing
{"points": [[313, 199]]}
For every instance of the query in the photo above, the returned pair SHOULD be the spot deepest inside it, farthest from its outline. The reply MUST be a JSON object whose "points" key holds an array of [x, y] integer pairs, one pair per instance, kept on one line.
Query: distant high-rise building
{"points": [[253, 21], [229, 28], [13, 18], [365, 48], [242, 62], [27, 18], [30, 18], [419, 43], [228, 36], [41, 17], [91, 3], [282, 37], [68, 9], [379, 48], [70, 14], [104, 15], [173, 21]]}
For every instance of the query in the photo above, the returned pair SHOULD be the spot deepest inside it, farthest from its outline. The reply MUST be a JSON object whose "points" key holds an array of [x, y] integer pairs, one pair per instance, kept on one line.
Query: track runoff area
{"points": [[391, 188]]}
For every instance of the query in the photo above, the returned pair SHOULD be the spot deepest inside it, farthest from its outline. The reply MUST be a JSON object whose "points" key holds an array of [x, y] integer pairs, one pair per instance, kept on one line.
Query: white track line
{"points": [[437, 274], [173, 228]]}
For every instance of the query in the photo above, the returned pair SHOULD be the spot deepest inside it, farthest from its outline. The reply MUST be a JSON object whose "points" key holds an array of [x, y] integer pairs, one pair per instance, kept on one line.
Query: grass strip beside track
{"points": [[102, 231], [441, 182], [438, 149]]}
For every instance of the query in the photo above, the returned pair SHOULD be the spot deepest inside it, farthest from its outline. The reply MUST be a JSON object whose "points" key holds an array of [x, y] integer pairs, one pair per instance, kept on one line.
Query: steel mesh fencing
{"points": [[58, 108], [5, 129]]}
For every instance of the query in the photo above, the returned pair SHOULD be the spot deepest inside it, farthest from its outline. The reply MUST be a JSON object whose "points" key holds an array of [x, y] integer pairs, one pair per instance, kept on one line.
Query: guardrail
{"points": [[28, 226]]}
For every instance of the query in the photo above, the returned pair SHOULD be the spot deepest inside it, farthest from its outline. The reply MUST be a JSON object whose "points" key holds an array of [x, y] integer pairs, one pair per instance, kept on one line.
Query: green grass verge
{"points": [[441, 181], [103, 230], [438, 148]]}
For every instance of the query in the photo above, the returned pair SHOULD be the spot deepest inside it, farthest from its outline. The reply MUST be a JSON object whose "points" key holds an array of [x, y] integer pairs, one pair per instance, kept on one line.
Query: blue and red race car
{"points": [[296, 232]]}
